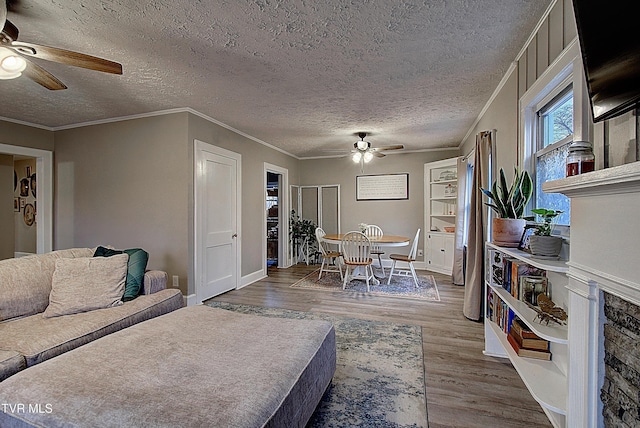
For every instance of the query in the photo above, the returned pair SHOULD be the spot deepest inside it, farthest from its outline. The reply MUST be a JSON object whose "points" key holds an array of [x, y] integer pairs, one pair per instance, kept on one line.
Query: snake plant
{"points": [[510, 201]]}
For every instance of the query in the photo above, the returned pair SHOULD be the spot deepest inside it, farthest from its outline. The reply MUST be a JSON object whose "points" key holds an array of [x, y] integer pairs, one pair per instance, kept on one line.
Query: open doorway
{"points": [[273, 218], [276, 224], [32, 199]]}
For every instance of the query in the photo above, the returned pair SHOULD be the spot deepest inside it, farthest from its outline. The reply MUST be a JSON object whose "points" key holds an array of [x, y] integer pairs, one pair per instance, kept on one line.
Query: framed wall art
{"points": [[382, 187]]}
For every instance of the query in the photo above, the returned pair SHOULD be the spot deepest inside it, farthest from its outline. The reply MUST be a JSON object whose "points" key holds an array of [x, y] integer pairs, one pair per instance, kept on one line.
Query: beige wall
{"points": [[397, 217], [25, 136], [126, 184], [6, 207]]}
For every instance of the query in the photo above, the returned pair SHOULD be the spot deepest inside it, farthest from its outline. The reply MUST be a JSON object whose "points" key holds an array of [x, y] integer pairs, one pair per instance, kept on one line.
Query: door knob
{"points": [[235, 235]]}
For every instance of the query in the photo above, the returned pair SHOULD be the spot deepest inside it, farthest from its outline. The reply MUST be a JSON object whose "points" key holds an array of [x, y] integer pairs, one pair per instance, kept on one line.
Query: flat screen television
{"points": [[610, 45]]}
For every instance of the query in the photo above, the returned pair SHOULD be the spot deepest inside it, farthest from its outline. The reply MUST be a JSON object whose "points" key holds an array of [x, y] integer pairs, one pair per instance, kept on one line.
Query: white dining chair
{"points": [[372, 231], [356, 253], [330, 259], [409, 259]]}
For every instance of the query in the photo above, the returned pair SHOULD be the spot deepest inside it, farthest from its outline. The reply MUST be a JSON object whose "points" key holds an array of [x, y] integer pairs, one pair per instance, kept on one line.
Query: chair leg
{"points": [[413, 273], [381, 266], [321, 267], [346, 275], [339, 264], [366, 275], [393, 266]]}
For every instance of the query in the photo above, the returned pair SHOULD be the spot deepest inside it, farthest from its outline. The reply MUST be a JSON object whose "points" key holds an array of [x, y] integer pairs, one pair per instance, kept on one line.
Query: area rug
{"points": [[379, 379], [400, 286]]}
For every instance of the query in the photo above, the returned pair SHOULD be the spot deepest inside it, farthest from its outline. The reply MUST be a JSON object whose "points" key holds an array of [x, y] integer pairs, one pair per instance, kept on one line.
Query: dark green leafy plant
{"points": [[544, 227], [301, 228], [510, 201]]}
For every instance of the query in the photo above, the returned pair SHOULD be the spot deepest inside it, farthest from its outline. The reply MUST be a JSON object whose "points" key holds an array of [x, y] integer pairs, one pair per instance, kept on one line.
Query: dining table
{"points": [[381, 241]]}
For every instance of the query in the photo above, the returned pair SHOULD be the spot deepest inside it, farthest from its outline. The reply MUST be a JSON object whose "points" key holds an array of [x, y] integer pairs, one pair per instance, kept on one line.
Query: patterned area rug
{"points": [[400, 286], [379, 379]]}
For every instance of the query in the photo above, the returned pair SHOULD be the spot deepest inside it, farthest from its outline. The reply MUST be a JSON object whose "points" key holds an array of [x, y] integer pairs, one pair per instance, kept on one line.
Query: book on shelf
{"points": [[527, 353], [533, 343], [523, 330], [520, 269]]}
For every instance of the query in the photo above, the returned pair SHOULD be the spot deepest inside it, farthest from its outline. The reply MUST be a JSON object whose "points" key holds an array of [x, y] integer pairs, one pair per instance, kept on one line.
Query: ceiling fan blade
{"points": [[396, 147], [42, 77], [63, 56], [3, 13], [378, 154]]}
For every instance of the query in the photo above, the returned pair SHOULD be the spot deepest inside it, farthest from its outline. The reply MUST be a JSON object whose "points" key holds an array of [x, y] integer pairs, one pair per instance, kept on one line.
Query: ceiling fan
{"points": [[363, 152], [13, 61]]}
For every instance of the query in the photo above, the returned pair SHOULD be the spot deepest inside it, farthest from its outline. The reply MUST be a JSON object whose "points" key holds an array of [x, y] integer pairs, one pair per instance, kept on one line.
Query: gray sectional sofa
{"points": [[28, 338], [182, 367]]}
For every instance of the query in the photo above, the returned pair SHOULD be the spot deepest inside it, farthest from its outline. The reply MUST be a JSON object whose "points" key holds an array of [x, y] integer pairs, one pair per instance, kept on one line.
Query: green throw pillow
{"points": [[136, 266]]}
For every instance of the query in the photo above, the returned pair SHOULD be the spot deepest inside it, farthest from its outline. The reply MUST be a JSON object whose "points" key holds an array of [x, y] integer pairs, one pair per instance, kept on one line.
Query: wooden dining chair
{"points": [[409, 259], [372, 231], [356, 253], [330, 259]]}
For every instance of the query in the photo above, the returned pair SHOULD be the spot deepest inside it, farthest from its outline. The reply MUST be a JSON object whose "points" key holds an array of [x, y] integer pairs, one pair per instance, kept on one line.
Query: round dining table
{"points": [[382, 241]]}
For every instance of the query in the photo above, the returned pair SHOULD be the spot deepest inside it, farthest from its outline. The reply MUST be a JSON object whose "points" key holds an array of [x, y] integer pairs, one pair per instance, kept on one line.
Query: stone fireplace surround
{"points": [[604, 258]]}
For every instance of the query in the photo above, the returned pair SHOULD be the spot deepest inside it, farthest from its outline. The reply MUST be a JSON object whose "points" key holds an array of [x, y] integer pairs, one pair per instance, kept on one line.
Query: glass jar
{"points": [[580, 158]]}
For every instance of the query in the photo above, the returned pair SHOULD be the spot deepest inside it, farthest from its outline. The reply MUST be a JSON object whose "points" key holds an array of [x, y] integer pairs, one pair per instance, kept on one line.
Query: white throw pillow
{"points": [[86, 283]]}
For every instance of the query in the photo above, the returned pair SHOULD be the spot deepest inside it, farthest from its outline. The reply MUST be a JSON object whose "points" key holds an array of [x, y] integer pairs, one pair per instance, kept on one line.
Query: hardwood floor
{"points": [[464, 387]]}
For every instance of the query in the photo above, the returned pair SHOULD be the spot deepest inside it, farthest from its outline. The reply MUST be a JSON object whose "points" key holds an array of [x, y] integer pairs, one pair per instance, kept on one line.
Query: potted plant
{"points": [[542, 243], [509, 202], [301, 230]]}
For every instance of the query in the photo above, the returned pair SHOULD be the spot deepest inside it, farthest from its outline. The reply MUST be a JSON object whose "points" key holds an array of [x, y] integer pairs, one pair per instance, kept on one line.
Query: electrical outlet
{"points": [[176, 281], [420, 253]]}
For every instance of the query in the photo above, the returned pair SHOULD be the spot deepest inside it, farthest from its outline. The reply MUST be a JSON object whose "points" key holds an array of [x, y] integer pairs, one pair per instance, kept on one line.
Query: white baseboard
{"points": [[252, 277], [190, 300]]}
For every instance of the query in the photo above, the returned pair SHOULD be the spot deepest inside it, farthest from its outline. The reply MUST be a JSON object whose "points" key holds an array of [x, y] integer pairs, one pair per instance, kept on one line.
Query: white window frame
{"points": [[564, 71]]}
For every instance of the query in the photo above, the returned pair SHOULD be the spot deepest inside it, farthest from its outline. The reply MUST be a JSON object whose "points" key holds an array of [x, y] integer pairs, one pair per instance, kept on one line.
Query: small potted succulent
{"points": [[509, 202], [542, 243]]}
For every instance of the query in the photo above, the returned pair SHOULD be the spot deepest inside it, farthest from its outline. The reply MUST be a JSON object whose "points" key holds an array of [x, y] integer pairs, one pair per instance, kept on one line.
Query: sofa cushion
{"points": [[25, 282], [136, 267], [40, 339], [11, 363], [85, 284]]}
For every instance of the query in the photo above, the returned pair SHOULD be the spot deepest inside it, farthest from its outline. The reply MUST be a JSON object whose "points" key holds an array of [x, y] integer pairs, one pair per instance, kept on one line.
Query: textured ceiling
{"points": [[303, 76]]}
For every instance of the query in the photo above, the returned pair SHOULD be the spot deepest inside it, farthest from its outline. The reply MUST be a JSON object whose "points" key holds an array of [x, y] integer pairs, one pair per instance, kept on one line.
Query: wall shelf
{"points": [[544, 380], [547, 381]]}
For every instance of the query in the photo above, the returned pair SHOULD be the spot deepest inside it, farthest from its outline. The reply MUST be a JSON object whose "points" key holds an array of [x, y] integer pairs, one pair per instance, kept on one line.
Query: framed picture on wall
{"points": [[16, 205], [382, 187], [23, 202]]}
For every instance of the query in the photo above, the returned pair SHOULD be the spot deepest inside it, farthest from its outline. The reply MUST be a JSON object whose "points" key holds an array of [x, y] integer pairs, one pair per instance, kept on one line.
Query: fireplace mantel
{"points": [[616, 180], [604, 256]]}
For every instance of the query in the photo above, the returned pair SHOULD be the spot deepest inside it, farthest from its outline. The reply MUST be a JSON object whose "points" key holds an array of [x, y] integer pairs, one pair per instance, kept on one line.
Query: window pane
{"points": [[557, 120], [551, 166]]}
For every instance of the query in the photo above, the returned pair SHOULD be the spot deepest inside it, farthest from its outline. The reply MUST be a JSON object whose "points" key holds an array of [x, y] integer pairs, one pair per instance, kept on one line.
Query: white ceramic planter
{"points": [[545, 246]]}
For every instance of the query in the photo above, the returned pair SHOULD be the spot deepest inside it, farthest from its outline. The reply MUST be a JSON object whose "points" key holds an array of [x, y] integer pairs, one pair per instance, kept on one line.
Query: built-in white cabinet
{"points": [[440, 252], [441, 194], [546, 380]]}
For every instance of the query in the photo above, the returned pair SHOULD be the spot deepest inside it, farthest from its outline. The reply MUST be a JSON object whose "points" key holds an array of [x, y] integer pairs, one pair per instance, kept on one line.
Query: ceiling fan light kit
{"points": [[11, 65]]}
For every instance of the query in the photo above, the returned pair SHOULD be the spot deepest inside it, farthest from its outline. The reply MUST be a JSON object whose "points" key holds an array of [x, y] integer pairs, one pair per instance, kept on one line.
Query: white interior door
{"points": [[217, 255]]}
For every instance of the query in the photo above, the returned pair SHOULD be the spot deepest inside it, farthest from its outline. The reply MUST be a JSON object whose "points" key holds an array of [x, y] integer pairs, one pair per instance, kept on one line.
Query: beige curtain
{"points": [[457, 273], [477, 228]]}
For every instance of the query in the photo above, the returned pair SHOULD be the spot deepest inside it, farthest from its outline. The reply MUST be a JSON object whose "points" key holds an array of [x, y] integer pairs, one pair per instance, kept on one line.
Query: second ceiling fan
{"points": [[363, 152]]}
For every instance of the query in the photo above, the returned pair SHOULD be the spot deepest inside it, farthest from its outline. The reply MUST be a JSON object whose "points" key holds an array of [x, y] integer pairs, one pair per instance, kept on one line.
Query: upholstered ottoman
{"points": [[194, 367]]}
